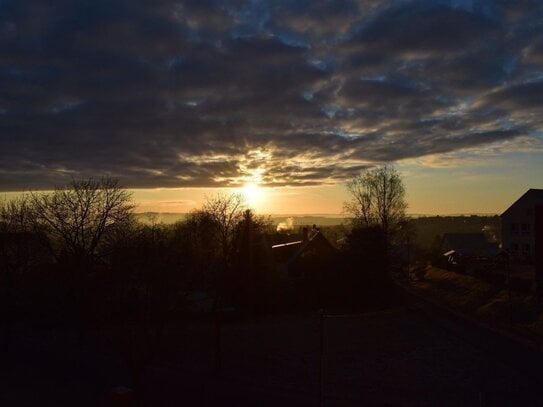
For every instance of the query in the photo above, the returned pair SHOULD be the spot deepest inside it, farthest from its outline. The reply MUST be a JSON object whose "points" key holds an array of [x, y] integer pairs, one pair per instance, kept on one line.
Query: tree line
{"points": [[76, 259], [79, 251], [78, 254]]}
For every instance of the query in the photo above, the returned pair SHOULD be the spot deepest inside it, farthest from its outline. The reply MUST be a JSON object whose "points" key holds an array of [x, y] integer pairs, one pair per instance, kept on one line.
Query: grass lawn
{"points": [[484, 302]]}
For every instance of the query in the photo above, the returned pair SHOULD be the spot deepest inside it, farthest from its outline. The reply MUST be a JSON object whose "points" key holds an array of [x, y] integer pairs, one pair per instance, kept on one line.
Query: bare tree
{"points": [[21, 244], [15, 215], [19, 252], [361, 205], [79, 218], [377, 198], [225, 213], [81, 214]]}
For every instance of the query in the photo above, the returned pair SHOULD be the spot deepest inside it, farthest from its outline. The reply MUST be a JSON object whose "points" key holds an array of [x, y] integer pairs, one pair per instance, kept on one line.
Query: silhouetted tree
{"points": [[16, 215], [248, 262], [149, 284], [407, 233], [377, 198], [82, 213], [365, 280], [79, 218], [201, 252], [21, 250], [225, 212]]}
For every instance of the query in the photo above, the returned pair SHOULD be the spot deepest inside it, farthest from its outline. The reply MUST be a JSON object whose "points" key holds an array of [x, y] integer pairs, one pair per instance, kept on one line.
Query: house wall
{"points": [[518, 228], [446, 246], [539, 247]]}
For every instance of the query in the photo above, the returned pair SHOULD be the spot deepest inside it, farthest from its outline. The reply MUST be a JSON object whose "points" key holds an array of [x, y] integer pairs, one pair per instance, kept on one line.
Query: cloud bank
{"points": [[215, 93]]}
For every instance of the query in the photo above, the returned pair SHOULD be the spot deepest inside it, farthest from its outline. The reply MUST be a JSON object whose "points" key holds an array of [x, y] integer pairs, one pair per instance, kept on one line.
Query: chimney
{"points": [[305, 234]]}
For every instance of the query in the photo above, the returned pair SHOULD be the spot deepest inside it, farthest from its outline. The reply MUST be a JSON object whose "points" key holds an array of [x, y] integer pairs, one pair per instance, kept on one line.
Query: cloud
{"points": [[479, 156], [212, 93], [422, 29], [516, 97]]}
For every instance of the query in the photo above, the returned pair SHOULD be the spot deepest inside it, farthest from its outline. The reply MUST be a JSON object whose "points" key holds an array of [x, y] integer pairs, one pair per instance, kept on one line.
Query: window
{"points": [[514, 227], [525, 227], [514, 247], [527, 247]]}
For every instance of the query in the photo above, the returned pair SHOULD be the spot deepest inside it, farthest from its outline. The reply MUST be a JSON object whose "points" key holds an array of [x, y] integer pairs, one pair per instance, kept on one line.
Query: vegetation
{"points": [[487, 302], [77, 256], [82, 215], [377, 204], [377, 198], [77, 259], [431, 227]]}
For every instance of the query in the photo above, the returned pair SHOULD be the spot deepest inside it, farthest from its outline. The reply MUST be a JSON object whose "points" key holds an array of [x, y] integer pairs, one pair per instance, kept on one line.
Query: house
{"points": [[539, 248], [455, 246], [518, 226], [301, 258]]}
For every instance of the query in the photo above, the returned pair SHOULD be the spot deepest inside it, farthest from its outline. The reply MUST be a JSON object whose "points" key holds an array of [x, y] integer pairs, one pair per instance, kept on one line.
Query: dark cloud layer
{"points": [[213, 93]]}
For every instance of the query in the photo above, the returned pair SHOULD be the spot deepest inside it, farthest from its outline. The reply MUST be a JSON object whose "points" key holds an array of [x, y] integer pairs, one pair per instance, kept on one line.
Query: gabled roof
{"points": [[282, 253], [288, 252], [277, 246], [536, 194], [469, 243]]}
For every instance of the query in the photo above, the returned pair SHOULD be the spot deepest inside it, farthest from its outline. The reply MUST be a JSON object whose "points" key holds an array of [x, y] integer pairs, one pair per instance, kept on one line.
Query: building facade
{"points": [[519, 226]]}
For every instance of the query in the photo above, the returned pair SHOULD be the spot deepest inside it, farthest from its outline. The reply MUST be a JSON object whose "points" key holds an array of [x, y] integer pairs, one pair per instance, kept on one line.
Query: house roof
{"points": [[288, 252], [277, 246], [468, 243], [536, 194]]}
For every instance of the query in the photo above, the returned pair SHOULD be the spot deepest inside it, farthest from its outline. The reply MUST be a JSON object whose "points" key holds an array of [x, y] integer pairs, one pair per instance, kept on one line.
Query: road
{"points": [[402, 356]]}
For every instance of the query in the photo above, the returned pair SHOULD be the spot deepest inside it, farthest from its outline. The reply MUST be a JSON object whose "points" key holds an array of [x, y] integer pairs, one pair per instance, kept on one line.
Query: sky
{"points": [[181, 99]]}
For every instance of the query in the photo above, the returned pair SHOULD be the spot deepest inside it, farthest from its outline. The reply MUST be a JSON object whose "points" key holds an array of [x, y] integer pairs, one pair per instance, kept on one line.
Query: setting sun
{"points": [[252, 193]]}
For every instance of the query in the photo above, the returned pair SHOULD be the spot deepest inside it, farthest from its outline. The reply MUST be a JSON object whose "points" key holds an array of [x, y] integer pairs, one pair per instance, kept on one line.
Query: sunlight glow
{"points": [[252, 194]]}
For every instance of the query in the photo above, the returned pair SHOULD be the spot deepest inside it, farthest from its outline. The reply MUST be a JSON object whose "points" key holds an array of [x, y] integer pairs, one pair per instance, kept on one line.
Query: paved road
{"points": [[401, 356]]}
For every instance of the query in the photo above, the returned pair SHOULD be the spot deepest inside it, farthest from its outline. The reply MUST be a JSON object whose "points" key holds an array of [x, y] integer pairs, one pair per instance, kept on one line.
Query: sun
{"points": [[252, 194]]}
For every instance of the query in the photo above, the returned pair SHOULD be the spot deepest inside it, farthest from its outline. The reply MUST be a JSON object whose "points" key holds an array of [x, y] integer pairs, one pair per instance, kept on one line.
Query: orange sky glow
{"points": [[435, 185]]}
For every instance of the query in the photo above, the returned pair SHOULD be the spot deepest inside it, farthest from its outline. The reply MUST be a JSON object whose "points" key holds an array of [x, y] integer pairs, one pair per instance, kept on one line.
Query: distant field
{"points": [[160, 217], [428, 228], [295, 220], [323, 220]]}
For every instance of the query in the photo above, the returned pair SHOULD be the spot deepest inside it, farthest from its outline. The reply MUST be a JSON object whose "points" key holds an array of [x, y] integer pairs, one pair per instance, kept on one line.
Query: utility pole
{"points": [[508, 273], [321, 357]]}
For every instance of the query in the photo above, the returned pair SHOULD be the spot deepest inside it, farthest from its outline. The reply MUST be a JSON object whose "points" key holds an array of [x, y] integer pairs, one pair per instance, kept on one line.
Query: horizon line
{"points": [[334, 215]]}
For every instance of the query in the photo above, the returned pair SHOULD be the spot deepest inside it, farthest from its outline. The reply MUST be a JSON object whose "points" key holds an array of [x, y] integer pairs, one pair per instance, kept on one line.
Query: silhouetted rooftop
{"points": [[468, 244], [532, 193]]}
